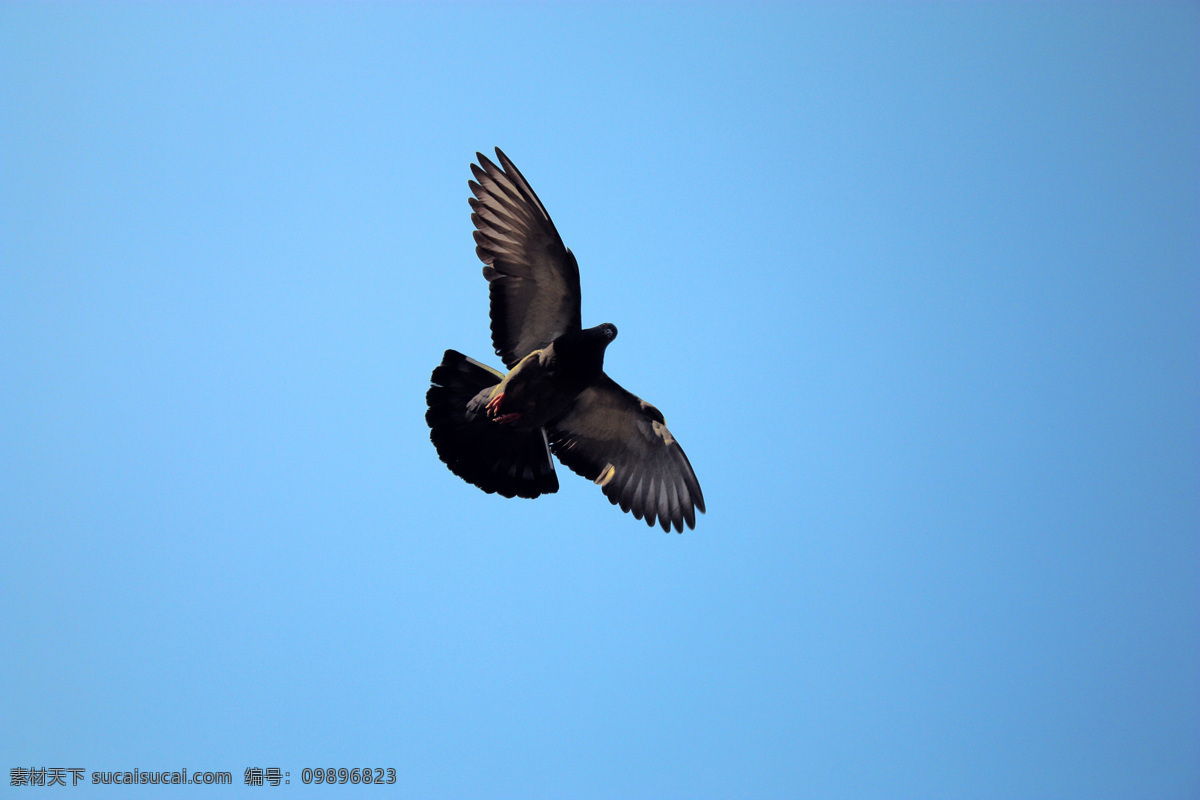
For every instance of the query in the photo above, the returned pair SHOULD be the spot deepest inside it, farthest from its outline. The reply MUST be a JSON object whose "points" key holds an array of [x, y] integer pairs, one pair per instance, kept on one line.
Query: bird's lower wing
{"points": [[622, 443]]}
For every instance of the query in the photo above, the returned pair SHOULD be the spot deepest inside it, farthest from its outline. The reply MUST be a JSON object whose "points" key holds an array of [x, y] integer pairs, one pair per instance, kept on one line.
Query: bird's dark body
{"points": [[544, 384], [497, 430]]}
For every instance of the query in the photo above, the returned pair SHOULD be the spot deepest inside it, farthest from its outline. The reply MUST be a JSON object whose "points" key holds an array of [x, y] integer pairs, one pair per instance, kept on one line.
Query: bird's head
{"points": [[579, 356], [599, 338]]}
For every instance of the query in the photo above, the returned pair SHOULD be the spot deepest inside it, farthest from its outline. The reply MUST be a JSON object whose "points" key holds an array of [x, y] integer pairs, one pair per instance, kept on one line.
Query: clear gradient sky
{"points": [[916, 286]]}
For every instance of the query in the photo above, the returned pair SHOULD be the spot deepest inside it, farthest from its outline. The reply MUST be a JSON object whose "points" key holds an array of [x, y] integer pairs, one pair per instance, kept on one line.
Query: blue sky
{"points": [[916, 286]]}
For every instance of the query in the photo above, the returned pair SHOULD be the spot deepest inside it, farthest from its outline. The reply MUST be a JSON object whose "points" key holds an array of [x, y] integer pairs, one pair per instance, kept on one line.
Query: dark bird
{"points": [[497, 431]]}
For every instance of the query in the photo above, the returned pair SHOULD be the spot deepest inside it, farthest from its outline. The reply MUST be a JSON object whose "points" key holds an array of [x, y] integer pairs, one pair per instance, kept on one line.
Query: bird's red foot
{"points": [[493, 405], [493, 409]]}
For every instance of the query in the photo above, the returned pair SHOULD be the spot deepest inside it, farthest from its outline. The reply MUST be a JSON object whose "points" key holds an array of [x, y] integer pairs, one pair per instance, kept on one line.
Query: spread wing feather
{"points": [[622, 443], [533, 279]]}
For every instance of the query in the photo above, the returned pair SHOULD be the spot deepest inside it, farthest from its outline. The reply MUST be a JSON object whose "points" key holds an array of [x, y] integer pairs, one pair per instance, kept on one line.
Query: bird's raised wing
{"points": [[621, 442], [533, 279]]}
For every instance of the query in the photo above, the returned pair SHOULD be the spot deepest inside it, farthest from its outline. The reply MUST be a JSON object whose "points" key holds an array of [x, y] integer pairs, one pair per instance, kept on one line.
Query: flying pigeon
{"points": [[497, 430]]}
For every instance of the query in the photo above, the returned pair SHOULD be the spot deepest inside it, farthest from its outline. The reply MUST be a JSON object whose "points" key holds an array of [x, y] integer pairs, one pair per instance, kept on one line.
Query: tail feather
{"points": [[496, 458]]}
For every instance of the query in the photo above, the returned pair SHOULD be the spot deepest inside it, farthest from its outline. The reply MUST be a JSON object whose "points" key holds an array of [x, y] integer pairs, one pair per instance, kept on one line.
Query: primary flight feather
{"points": [[497, 430]]}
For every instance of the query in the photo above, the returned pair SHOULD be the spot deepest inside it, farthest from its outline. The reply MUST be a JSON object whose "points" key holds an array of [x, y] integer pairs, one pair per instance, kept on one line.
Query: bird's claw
{"points": [[493, 405], [493, 410]]}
